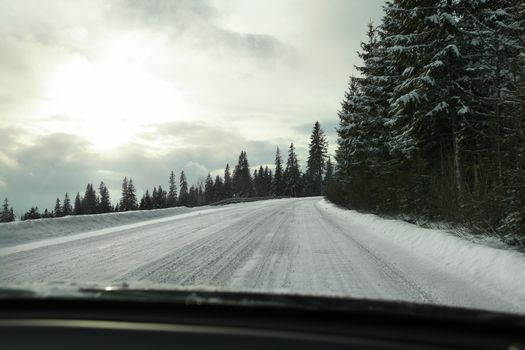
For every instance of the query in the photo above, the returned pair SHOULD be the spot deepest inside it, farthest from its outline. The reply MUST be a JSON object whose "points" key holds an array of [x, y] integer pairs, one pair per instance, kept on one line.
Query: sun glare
{"points": [[110, 100]]}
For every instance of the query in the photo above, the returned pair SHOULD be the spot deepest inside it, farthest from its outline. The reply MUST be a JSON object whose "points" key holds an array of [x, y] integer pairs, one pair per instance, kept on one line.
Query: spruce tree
{"points": [[183, 194], [6, 212], [163, 197], [89, 203], [269, 180], [142, 202], [363, 161], [58, 212], [259, 182], [428, 104], [328, 174], [315, 165], [278, 182], [292, 177], [201, 199], [105, 202], [329, 170], [132, 196], [155, 198], [256, 183], [172, 191], [209, 190], [124, 198], [193, 197], [228, 189], [433, 125], [218, 189], [77, 209], [32, 214], [146, 202], [242, 181], [67, 209]]}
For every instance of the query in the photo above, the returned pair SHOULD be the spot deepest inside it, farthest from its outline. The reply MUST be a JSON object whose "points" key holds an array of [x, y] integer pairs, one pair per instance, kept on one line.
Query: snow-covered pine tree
{"points": [[351, 135], [345, 131], [442, 89], [428, 101], [497, 44]]}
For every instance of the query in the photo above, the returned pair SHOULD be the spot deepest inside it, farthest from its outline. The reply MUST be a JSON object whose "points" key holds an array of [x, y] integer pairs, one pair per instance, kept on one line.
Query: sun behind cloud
{"points": [[108, 100]]}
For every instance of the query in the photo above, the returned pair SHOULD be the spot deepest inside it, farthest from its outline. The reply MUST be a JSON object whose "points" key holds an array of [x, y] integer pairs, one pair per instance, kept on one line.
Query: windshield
{"points": [[359, 149]]}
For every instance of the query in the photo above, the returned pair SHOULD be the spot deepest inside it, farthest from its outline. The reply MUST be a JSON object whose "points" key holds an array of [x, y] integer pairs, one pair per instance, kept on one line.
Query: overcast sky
{"points": [[97, 90]]}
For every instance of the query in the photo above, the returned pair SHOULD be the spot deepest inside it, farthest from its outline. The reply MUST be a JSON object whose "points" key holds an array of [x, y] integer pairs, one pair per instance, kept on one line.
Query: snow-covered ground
{"points": [[300, 245], [19, 232]]}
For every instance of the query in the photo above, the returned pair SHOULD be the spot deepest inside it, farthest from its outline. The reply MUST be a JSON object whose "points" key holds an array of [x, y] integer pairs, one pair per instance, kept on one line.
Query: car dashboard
{"points": [[133, 320]]}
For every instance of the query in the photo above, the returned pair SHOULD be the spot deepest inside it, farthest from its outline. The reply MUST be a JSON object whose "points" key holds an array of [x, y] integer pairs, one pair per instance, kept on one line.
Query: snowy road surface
{"points": [[301, 245]]}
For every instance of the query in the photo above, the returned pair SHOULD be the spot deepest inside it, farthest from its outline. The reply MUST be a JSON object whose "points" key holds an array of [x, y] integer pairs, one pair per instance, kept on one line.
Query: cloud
{"points": [[248, 75], [163, 13], [193, 24], [50, 165]]}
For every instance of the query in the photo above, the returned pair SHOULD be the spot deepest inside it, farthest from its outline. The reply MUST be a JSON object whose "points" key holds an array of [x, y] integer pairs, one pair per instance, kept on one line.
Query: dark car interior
{"points": [[210, 320]]}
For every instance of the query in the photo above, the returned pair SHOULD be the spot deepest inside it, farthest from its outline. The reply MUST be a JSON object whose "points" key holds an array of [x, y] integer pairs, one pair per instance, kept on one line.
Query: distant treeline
{"points": [[285, 179], [434, 126]]}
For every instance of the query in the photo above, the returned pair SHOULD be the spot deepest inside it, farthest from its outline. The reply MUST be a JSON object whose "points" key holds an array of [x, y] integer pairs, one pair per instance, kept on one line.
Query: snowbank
{"points": [[20, 232], [501, 269]]}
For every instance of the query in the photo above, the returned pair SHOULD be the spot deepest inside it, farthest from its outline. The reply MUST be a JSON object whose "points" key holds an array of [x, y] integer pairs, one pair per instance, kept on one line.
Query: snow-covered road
{"points": [[301, 245]]}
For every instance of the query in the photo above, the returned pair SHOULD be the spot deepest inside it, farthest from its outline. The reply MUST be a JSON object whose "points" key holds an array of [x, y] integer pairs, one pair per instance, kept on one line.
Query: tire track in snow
{"points": [[395, 277], [291, 243], [210, 260]]}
